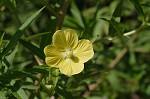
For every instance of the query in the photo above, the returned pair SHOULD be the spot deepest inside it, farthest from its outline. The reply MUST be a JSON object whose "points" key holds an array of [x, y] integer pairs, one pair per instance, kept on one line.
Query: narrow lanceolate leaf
{"points": [[63, 93], [77, 14], [19, 32], [138, 9], [117, 13], [36, 36], [17, 91], [18, 75], [10, 57], [1, 39], [118, 10], [35, 50], [51, 27], [115, 27], [40, 69]]}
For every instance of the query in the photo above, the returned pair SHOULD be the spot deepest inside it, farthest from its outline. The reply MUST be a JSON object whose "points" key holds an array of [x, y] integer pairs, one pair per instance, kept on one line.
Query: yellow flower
{"points": [[67, 53]]}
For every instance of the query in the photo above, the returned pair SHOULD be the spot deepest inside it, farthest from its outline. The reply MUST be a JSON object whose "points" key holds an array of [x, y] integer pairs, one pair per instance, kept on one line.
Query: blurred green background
{"points": [[120, 68]]}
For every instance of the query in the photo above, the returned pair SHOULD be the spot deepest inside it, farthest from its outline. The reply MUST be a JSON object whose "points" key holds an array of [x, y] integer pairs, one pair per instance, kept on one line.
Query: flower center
{"points": [[68, 54]]}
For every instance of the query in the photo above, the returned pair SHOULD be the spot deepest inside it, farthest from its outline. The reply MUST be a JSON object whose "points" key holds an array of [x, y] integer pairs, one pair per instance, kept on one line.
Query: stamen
{"points": [[69, 54]]}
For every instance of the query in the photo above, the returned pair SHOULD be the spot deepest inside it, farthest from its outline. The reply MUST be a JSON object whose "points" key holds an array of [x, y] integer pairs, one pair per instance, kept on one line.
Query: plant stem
{"points": [[61, 14], [130, 33], [118, 58], [142, 27]]}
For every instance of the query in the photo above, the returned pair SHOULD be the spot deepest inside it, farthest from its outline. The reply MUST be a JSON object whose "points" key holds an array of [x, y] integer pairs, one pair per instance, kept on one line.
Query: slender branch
{"points": [[61, 14], [118, 58], [143, 26], [40, 76], [130, 33], [91, 88]]}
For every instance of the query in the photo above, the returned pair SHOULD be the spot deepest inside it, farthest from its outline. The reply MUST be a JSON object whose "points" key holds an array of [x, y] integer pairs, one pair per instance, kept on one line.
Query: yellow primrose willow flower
{"points": [[67, 53]]}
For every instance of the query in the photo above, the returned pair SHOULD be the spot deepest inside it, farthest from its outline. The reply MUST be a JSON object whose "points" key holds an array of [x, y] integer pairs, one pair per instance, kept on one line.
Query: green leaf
{"points": [[36, 36], [51, 27], [19, 32], [148, 89], [139, 9], [54, 75], [18, 92], [35, 50], [1, 39], [10, 57], [3, 95], [63, 93], [71, 23], [113, 27], [30, 87], [96, 12], [38, 69], [19, 74], [118, 10], [96, 25], [77, 14]]}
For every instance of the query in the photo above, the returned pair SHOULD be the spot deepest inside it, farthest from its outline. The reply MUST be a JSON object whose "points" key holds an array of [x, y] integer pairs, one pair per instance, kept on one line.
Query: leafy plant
{"points": [[118, 30]]}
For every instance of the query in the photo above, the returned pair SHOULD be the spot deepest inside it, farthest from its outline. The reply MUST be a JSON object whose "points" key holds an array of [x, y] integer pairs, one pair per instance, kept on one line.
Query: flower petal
{"points": [[77, 68], [66, 39], [53, 56], [68, 67], [84, 51]]}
